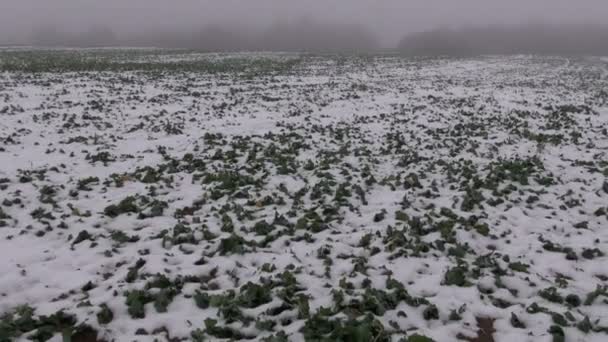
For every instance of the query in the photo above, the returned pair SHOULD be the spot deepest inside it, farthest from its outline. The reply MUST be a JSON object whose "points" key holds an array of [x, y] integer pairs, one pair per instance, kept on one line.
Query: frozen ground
{"points": [[155, 195]]}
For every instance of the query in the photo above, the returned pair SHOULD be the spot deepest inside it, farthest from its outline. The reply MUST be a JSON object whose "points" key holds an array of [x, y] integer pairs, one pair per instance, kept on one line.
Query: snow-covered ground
{"points": [[302, 197]]}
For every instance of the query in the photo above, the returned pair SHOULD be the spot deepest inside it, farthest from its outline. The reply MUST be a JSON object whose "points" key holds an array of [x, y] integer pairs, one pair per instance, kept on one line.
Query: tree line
{"points": [[307, 35]]}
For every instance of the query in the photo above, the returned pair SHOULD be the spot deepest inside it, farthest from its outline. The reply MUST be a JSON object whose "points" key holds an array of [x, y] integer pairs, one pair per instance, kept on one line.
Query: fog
{"points": [[303, 25], [526, 39]]}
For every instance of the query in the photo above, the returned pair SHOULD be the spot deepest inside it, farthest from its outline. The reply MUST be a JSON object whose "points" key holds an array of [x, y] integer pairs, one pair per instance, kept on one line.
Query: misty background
{"points": [[426, 27]]}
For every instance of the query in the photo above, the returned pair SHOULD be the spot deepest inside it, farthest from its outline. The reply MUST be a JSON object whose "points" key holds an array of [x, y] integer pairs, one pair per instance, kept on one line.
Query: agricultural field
{"points": [[159, 195]]}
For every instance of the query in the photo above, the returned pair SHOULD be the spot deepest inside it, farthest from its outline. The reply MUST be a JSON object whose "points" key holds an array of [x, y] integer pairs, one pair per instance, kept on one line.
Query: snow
{"points": [[420, 101]]}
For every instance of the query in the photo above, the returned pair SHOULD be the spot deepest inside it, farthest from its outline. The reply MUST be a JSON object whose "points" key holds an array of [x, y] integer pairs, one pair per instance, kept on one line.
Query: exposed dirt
{"points": [[485, 332]]}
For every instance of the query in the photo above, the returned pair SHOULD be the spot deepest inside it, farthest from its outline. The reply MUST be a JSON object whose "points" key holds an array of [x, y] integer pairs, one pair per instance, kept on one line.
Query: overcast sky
{"points": [[389, 19]]}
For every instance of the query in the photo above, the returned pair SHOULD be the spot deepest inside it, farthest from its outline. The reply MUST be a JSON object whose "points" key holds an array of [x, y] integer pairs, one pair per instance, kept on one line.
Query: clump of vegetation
{"points": [[103, 157], [22, 321], [456, 276], [320, 327], [83, 183], [234, 244], [516, 170], [105, 315], [127, 205], [136, 301]]}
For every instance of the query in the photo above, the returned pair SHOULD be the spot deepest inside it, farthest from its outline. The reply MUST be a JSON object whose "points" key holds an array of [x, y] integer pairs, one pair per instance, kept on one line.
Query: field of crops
{"points": [[156, 195]]}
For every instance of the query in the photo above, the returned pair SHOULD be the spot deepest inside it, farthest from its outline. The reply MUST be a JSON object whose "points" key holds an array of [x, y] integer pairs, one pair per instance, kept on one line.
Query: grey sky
{"points": [[389, 19]]}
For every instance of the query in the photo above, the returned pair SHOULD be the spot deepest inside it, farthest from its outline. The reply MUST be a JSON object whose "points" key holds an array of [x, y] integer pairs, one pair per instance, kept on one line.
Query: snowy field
{"points": [[152, 195]]}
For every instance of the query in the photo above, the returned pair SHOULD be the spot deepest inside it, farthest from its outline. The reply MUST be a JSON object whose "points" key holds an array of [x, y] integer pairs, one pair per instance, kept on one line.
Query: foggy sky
{"points": [[387, 19]]}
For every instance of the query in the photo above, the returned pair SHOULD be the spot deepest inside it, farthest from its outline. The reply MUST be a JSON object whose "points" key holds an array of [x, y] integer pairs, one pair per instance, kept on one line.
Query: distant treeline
{"points": [[308, 35], [529, 39], [302, 36]]}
